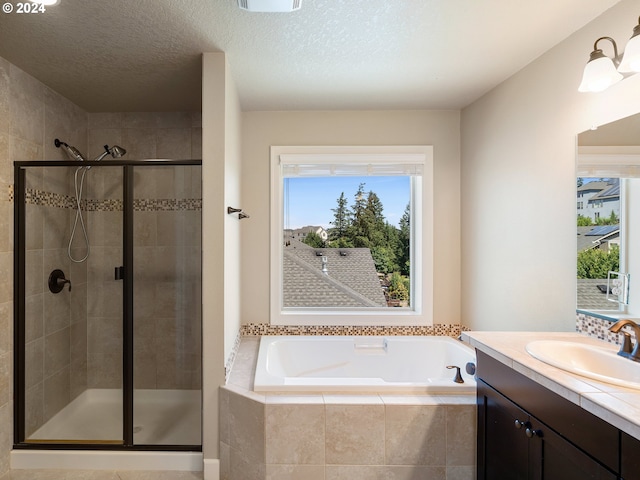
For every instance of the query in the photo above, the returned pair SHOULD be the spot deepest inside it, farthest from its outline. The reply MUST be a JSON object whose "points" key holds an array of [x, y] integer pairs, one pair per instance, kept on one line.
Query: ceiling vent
{"points": [[270, 5]]}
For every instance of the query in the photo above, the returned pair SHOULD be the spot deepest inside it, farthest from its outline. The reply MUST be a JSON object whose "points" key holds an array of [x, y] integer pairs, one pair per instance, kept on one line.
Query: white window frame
{"points": [[422, 212]]}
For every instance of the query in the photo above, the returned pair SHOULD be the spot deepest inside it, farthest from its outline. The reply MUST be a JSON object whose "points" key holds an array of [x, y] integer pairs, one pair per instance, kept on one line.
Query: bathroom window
{"points": [[351, 235]]}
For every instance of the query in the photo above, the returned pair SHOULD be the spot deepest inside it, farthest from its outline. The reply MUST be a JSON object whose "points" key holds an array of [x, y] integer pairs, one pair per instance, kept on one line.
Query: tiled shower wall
{"points": [[31, 116]]}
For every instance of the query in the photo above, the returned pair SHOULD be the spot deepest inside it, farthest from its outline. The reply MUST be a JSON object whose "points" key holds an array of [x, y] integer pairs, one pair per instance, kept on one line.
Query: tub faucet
{"points": [[458, 377], [626, 348]]}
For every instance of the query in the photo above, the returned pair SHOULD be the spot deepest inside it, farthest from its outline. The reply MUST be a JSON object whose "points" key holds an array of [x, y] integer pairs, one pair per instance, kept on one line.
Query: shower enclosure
{"points": [[108, 347]]}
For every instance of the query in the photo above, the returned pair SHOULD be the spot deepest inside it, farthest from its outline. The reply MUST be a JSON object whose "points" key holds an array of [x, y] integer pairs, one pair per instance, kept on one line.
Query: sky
{"points": [[310, 200]]}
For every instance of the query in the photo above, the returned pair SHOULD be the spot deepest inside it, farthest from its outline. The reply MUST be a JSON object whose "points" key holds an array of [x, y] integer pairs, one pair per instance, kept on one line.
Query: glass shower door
{"points": [[73, 385], [167, 305]]}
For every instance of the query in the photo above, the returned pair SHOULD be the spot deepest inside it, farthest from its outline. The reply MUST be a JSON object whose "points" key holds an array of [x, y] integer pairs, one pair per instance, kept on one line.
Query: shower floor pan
{"points": [[161, 417]]}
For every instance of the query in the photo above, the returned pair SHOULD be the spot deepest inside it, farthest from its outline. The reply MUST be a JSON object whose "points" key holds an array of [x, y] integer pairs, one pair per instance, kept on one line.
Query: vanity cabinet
{"points": [[527, 432]]}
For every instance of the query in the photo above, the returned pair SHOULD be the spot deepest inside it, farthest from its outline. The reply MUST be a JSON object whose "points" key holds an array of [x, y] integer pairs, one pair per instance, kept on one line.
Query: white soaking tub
{"points": [[393, 364]]}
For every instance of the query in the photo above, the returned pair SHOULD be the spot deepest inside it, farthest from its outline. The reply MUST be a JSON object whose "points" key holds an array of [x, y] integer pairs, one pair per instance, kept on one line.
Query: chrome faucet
{"points": [[626, 348]]}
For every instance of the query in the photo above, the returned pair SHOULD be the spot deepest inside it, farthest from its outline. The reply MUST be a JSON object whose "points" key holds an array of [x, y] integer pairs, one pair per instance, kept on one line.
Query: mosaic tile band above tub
{"points": [[258, 329], [50, 199]]}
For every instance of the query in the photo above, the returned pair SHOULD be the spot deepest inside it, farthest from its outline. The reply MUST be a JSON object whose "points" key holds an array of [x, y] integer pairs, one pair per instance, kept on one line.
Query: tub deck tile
{"points": [[352, 399]]}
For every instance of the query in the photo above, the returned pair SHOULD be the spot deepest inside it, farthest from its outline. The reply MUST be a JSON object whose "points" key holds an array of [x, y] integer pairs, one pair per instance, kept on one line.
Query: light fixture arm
{"points": [[636, 30], [597, 52]]}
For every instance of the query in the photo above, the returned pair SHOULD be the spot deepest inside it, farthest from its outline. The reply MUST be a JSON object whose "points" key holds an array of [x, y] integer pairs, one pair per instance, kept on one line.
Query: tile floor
{"points": [[99, 475]]}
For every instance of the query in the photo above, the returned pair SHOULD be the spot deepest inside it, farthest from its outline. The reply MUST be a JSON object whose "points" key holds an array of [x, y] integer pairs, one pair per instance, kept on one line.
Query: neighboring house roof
{"points": [[594, 186], [611, 193], [304, 231], [351, 279], [590, 297], [593, 236]]}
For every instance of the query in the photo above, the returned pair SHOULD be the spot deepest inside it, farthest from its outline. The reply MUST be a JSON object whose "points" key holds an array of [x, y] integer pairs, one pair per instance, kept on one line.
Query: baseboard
{"points": [[211, 469]]}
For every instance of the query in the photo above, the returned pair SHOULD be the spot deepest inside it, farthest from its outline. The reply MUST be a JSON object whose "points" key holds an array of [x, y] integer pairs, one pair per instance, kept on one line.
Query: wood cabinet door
{"points": [[503, 448], [514, 445], [554, 458]]}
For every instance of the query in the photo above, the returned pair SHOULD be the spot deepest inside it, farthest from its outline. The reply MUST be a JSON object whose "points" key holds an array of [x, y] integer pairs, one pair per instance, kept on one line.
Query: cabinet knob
{"points": [[530, 432], [518, 423]]}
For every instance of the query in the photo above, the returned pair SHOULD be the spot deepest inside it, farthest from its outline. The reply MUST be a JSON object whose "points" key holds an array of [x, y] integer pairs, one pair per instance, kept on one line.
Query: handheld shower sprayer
{"points": [[115, 151], [72, 152]]}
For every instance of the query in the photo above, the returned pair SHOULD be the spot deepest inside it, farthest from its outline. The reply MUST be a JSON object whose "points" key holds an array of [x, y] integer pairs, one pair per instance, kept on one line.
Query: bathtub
{"points": [[341, 364]]}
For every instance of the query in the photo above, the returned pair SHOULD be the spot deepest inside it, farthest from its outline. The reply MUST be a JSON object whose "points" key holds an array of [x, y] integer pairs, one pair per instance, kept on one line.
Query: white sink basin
{"points": [[588, 361]]}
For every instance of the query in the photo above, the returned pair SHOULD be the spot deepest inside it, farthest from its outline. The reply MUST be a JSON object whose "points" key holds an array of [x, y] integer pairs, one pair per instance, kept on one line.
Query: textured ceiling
{"points": [[145, 55]]}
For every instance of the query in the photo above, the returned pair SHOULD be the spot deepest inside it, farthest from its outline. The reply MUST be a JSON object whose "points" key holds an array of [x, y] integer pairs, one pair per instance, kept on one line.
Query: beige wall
{"points": [[220, 254], [518, 183], [260, 130]]}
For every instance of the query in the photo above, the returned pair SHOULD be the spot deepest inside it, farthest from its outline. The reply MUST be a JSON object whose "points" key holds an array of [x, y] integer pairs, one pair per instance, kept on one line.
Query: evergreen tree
{"points": [[341, 219], [357, 231], [404, 255], [314, 240]]}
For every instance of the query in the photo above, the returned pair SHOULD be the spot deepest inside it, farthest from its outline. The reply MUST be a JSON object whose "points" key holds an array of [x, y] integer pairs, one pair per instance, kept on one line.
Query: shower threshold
{"points": [[161, 417]]}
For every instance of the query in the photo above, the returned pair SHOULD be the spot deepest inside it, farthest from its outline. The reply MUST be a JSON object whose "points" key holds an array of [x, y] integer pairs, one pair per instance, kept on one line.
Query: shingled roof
{"points": [[350, 280]]}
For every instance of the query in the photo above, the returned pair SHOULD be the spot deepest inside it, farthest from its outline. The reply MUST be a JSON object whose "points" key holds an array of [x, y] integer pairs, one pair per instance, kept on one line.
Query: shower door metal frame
{"points": [[19, 234]]}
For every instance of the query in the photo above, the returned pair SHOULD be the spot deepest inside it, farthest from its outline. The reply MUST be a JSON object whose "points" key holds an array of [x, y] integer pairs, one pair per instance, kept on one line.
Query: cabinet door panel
{"points": [[556, 458], [504, 453]]}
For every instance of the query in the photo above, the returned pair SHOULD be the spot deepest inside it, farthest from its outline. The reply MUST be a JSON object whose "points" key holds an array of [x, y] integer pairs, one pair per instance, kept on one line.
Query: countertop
{"points": [[618, 406]]}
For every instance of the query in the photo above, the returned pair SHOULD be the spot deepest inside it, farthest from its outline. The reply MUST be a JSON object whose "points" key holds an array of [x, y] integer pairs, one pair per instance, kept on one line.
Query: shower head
{"points": [[72, 152], [115, 152]]}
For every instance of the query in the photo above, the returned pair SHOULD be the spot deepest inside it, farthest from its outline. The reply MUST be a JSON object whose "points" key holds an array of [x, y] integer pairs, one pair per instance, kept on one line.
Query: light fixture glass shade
{"points": [[599, 74], [631, 58]]}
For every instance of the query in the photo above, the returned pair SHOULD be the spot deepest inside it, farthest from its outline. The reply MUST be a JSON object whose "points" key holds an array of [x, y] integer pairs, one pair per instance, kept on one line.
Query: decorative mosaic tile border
{"points": [[50, 199], [258, 329], [167, 204], [598, 328], [10, 193]]}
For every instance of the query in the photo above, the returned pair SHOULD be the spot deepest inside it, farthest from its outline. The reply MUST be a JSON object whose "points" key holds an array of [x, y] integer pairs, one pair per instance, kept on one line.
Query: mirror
{"points": [[608, 221]]}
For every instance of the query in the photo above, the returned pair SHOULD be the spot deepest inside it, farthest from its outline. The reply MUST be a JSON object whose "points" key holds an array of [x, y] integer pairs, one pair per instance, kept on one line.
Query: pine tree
{"points": [[404, 254], [341, 219]]}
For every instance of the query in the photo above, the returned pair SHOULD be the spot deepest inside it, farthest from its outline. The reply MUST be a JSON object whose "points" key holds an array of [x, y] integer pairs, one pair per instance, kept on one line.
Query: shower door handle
{"points": [[119, 273]]}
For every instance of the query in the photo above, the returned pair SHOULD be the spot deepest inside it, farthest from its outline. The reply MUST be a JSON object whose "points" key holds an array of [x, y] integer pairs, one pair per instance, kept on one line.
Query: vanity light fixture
{"points": [[631, 59], [602, 71]]}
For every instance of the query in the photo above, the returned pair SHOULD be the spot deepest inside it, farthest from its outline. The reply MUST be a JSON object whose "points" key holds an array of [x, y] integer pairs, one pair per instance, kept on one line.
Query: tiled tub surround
{"points": [[618, 406], [333, 437]]}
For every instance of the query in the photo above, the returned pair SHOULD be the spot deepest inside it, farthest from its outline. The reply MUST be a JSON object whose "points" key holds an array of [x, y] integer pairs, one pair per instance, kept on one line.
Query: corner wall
{"points": [[440, 128], [518, 183], [220, 239]]}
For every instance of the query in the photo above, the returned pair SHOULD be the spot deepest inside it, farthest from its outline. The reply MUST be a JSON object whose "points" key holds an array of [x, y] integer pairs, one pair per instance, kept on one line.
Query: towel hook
{"points": [[241, 214]]}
